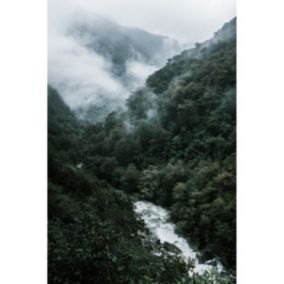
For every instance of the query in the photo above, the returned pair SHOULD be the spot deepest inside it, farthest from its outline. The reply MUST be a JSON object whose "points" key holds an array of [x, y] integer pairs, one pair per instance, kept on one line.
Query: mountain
{"points": [[121, 44], [180, 66], [173, 145], [192, 136], [93, 234], [96, 63]]}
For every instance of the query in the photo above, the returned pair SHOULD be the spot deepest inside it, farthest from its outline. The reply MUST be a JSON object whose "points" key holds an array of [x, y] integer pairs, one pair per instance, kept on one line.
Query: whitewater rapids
{"points": [[156, 219]]}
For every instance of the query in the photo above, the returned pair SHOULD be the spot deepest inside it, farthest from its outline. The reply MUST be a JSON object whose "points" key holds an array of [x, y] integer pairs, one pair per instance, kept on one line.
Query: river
{"points": [[156, 220]]}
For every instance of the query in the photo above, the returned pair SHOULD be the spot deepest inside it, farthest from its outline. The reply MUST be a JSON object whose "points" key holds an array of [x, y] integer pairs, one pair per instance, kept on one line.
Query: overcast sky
{"points": [[186, 20]]}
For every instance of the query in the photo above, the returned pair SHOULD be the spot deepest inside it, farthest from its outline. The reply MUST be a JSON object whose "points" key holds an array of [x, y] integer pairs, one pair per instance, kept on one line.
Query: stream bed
{"points": [[156, 220]]}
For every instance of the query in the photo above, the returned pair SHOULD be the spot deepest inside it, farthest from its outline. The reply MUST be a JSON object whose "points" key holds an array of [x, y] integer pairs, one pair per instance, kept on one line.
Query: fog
{"points": [[94, 63], [80, 75], [79, 66]]}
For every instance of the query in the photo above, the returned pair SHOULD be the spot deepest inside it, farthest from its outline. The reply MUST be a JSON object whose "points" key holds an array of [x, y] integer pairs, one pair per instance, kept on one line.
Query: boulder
{"points": [[171, 248]]}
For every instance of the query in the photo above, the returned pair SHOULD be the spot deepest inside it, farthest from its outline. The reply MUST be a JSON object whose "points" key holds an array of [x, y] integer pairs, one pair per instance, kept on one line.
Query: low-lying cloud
{"points": [[82, 76], [86, 75]]}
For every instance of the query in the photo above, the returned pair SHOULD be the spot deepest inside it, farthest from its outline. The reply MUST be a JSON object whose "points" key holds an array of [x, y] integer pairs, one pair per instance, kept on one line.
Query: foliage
{"points": [[92, 231], [174, 146]]}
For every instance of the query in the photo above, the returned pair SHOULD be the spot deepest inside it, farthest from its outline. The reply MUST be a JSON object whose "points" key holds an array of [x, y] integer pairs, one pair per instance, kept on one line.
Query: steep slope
{"points": [[121, 44], [96, 64], [196, 107], [181, 65], [175, 146], [92, 231]]}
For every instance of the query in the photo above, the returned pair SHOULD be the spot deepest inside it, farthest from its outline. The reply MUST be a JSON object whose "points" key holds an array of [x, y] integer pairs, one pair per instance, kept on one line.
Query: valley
{"points": [[145, 190]]}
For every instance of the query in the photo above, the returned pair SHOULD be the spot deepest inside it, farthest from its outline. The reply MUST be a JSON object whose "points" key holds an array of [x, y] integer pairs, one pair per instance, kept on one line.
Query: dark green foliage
{"points": [[92, 230], [139, 103], [196, 101], [130, 179], [174, 146], [127, 151]]}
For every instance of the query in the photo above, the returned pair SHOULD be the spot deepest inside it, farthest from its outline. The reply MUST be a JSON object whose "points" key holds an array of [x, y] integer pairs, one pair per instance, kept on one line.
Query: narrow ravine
{"points": [[156, 220]]}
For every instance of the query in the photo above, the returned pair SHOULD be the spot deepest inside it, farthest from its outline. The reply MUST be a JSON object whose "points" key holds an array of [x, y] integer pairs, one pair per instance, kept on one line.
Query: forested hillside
{"points": [[96, 63], [174, 146], [92, 229]]}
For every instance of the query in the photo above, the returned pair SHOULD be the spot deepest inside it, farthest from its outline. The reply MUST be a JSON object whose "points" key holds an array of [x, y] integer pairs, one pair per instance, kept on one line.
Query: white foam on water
{"points": [[156, 219]]}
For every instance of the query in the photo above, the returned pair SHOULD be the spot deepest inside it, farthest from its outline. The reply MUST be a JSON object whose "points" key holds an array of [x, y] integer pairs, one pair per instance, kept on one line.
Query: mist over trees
{"points": [[96, 63], [174, 145]]}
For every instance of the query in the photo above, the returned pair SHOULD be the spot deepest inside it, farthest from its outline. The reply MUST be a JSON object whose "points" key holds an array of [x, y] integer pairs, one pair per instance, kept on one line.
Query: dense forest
{"points": [[174, 146]]}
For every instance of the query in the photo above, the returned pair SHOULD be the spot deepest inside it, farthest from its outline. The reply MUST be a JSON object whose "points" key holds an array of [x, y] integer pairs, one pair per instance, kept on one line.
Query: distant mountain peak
{"points": [[121, 43]]}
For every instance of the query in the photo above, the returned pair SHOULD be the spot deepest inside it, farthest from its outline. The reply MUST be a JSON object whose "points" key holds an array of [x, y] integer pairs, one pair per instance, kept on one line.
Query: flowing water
{"points": [[156, 219]]}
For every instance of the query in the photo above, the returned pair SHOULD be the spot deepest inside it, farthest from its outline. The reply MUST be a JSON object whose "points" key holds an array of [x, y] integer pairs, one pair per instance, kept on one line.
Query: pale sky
{"points": [[186, 20]]}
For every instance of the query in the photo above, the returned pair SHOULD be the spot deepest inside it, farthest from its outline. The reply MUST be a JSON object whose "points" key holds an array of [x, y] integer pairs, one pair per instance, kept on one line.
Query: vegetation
{"points": [[92, 229], [174, 146]]}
